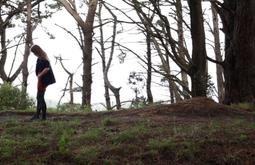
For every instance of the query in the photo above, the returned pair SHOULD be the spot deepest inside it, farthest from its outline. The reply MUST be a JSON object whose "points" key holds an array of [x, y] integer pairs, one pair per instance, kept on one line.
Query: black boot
{"points": [[37, 114], [44, 117], [43, 114]]}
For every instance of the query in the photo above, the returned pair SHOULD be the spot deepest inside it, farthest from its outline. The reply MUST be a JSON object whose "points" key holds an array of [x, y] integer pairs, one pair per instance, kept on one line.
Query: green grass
{"points": [[91, 135], [110, 141], [107, 121], [247, 106], [88, 154], [130, 134], [161, 144]]}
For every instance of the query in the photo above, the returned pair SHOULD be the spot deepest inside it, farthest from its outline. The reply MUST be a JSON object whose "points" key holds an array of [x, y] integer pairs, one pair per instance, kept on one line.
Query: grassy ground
{"points": [[198, 131]]}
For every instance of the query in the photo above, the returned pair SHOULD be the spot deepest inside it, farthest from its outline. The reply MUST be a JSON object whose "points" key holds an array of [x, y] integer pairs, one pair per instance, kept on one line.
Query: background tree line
{"points": [[175, 37]]}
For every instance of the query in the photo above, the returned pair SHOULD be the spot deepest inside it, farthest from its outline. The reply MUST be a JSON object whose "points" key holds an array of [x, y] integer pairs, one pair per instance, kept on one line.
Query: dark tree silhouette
{"points": [[238, 19]]}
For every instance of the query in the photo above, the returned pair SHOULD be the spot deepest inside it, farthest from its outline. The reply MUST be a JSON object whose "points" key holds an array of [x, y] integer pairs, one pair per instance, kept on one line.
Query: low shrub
{"points": [[13, 98]]}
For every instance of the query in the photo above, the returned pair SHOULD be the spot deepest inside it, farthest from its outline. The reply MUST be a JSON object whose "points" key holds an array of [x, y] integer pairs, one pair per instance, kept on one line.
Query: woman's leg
{"points": [[41, 104], [44, 108]]}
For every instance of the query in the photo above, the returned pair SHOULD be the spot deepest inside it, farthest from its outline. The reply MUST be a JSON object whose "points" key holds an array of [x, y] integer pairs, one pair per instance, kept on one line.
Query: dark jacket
{"points": [[49, 77]]}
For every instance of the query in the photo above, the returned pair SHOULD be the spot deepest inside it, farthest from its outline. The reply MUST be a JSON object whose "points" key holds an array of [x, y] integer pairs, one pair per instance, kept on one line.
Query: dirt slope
{"points": [[190, 109], [195, 131]]}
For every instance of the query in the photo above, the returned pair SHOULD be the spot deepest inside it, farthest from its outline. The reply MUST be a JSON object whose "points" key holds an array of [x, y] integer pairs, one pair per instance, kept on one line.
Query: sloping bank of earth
{"points": [[195, 131]]}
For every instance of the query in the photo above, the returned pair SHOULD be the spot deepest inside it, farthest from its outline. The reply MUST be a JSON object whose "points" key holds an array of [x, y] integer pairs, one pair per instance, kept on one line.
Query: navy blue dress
{"points": [[47, 78]]}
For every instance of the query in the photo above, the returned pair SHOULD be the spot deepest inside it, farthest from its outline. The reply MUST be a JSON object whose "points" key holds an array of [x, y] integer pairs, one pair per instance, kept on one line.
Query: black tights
{"points": [[41, 104]]}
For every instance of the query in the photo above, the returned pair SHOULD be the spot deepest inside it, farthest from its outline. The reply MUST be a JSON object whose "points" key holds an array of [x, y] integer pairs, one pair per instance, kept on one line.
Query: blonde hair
{"points": [[39, 52]]}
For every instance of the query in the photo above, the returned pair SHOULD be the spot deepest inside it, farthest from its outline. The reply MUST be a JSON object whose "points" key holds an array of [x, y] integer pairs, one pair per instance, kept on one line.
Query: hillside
{"points": [[196, 131]]}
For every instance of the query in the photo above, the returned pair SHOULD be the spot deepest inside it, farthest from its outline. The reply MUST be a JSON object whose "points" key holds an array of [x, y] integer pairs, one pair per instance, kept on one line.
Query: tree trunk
{"points": [[3, 57], [217, 50], [103, 57], [173, 88], [87, 53], [115, 91], [181, 49], [198, 70], [240, 51], [106, 67], [107, 95], [171, 91], [3, 54], [27, 47], [87, 68], [71, 89], [149, 67]]}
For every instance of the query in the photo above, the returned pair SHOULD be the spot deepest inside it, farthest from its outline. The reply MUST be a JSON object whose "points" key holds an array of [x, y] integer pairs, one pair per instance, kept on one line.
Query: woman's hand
{"points": [[45, 70]]}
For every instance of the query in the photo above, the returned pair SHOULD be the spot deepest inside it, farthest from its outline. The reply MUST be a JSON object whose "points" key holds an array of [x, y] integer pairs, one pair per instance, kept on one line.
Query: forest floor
{"points": [[196, 131]]}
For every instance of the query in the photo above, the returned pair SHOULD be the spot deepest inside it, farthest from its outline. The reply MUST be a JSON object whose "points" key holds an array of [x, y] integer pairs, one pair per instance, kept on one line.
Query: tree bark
{"points": [[87, 56], [3, 54], [218, 57], [198, 71], [239, 25], [103, 57], [149, 68], [181, 49], [27, 47]]}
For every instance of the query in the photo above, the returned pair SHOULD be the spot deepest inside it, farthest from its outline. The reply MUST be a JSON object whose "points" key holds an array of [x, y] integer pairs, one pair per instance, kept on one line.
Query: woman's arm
{"points": [[43, 72]]}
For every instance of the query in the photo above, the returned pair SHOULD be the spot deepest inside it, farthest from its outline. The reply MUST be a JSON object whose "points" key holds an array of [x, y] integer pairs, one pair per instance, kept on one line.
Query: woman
{"points": [[45, 77]]}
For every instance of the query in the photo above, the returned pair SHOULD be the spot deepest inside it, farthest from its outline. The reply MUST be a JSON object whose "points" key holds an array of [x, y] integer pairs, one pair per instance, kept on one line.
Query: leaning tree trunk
{"points": [[198, 71], [115, 91], [240, 51]]}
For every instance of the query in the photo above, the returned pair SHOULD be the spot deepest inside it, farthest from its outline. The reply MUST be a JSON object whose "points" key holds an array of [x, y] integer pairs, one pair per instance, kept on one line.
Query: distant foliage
{"points": [[210, 89], [12, 98], [66, 107], [138, 102], [137, 83]]}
